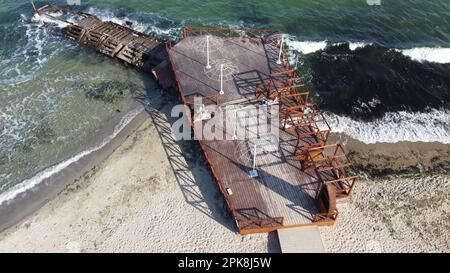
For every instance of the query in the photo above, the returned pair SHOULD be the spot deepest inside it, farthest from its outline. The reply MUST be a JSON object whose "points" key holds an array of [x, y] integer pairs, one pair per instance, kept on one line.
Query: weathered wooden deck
{"points": [[282, 195], [253, 60]]}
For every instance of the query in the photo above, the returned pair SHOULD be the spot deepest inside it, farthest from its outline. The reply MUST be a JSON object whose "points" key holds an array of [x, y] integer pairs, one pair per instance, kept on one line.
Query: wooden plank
{"points": [[250, 59], [118, 41]]}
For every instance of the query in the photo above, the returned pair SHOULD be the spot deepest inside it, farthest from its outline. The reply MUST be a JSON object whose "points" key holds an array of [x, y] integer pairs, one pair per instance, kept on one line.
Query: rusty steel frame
{"points": [[278, 82], [311, 126], [334, 168], [336, 183]]}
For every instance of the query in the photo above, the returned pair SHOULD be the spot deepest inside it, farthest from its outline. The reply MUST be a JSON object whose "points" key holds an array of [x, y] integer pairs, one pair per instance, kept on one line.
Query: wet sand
{"points": [[401, 158]]}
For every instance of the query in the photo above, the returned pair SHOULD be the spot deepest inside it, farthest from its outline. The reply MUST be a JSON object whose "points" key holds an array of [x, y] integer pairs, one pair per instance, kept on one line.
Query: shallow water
{"points": [[48, 112]]}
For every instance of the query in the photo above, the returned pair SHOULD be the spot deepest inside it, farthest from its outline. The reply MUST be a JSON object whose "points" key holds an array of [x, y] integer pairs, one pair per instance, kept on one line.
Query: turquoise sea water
{"points": [[48, 111]]}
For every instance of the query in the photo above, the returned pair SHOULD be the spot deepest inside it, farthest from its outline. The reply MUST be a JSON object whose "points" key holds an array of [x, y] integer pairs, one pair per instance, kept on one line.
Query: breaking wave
{"points": [[421, 54], [429, 54], [33, 49], [142, 22], [376, 94], [432, 126]]}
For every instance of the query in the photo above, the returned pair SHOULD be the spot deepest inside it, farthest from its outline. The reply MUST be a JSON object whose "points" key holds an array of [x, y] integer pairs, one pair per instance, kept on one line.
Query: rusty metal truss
{"points": [[333, 168], [299, 116]]}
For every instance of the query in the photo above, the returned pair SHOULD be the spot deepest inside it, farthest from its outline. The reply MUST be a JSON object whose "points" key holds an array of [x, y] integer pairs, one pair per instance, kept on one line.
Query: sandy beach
{"points": [[394, 215], [153, 194], [133, 202]]}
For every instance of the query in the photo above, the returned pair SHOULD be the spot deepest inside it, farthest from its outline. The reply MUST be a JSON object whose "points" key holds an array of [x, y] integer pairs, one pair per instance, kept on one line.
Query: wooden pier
{"points": [[298, 179], [299, 176]]}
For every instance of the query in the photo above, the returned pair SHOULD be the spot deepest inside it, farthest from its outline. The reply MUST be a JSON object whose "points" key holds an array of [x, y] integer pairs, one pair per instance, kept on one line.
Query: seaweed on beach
{"points": [[109, 91], [43, 134]]}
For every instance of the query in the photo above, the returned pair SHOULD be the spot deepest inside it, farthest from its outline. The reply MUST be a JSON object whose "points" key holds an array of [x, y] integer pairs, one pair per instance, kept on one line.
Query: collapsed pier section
{"points": [[116, 41]]}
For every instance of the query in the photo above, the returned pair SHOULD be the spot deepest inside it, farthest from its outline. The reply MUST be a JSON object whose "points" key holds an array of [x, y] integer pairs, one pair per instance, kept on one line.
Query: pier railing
{"points": [[264, 223]]}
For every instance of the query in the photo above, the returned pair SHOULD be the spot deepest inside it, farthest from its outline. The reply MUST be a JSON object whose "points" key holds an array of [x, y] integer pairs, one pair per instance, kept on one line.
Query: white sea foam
{"points": [[30, 183], [421, 54], [396, 126], [429, 54], [306, 47], [356, 45], [42, 19], [108, 15], [37, 47]]}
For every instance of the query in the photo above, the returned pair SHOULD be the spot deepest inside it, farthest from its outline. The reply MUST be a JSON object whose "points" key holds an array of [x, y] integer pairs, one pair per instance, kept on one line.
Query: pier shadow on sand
{"points": [[194, 177], [187, 162]]}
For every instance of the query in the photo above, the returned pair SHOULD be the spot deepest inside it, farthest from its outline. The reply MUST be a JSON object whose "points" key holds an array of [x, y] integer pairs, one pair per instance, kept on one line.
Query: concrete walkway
{"points": [[300, 240]]}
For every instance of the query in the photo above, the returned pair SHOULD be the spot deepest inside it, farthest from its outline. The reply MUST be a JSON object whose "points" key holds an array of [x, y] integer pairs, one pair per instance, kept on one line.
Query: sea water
{"points": [[381, 72]]}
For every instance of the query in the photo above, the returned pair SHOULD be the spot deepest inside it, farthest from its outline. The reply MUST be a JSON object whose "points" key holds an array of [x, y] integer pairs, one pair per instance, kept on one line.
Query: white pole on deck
{"points": [[235, 125], [254, 173], [221, 80], [208, 66], [281, 51], [254, 159]]}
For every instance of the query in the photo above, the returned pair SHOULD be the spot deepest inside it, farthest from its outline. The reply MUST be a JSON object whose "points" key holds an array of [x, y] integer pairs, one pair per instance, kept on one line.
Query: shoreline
{"points": [[129, 202], [131, 199], [135, 201], [30, 200], [392, 160]]}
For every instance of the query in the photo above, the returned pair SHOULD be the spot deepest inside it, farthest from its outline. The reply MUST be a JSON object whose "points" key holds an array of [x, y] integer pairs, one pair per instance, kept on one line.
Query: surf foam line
{"points": [[32, 182], [420, 54], [432, 126], [26, 60], [144, 27], [308, 47], [429, 54]]}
